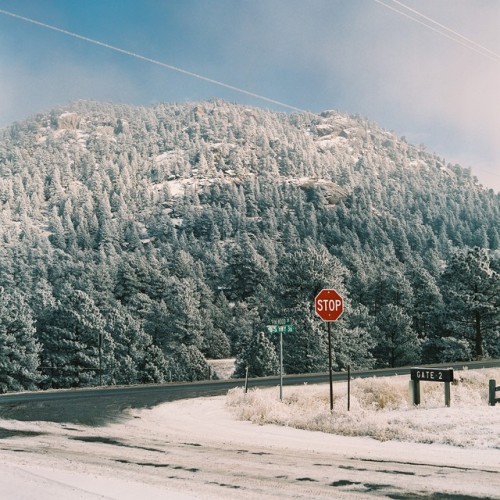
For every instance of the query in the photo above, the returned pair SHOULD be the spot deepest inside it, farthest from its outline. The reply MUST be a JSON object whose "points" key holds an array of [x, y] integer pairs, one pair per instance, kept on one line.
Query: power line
{"points": [[447, 33], [442, 30], [155, 61], [456, 38], [468, 40]]}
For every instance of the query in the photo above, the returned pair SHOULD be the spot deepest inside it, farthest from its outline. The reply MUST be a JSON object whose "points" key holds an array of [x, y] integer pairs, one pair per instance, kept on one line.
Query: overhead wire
{"points": [[447, 33], [455, 36], [441, 29], [155, 61], [423, 20], [456, 33]]}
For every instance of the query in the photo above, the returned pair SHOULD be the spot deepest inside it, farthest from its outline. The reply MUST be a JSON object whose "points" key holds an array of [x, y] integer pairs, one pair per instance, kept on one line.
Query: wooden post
{"points": [[348, 387], [246, 379], [447, 393], [415, 392], [492, 399], [100, 338]]}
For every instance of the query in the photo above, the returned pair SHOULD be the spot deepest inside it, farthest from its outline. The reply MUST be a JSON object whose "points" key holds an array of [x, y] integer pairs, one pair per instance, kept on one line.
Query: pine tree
{"points": [[185, 322], [216, 345], [472, 291], [301, 275], [246, 269], [19, 350], [259, 355], [397, 342], [155, 367], [353, 341], [70, 340], [306, 349], [132, 360]]}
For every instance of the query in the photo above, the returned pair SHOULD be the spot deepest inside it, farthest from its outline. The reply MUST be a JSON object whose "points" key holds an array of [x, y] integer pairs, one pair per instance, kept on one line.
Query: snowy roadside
{"points": [[380, 409], [200, 449]]}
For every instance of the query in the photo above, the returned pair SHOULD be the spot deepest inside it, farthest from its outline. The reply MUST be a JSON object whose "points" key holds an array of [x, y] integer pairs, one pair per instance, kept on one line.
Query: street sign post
{"points": [[281, 326], [329, 306]]}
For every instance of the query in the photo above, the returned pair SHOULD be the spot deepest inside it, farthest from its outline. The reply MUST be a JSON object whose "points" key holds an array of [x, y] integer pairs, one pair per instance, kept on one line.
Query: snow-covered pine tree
{"points": [[19, 350]]}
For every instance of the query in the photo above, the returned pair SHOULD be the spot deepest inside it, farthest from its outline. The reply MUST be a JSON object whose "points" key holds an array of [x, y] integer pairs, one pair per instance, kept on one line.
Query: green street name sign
{"points": [[280, 328], [282, 321]]}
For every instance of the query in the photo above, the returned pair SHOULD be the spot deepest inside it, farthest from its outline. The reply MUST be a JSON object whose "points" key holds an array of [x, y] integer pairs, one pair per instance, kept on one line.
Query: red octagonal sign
{"points": [[329, 304]]}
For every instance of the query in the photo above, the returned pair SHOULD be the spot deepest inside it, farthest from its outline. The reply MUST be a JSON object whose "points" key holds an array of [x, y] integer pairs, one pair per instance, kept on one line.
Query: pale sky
{"points": [[354, 56]]}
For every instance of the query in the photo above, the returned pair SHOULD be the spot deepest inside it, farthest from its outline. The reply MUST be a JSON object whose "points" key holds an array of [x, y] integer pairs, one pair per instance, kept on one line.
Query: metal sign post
{"points": [[100, 341], [329, 306], [281, 326], [330, 369], [281, 365]]}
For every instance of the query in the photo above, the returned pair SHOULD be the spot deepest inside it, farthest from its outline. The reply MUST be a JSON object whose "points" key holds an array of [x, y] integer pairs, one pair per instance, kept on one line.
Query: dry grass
{"points": [[380, 408]]}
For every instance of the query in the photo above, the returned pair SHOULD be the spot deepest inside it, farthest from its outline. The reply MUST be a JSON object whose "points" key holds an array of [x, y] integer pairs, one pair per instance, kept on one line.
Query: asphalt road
{"points": [[102, 405]]}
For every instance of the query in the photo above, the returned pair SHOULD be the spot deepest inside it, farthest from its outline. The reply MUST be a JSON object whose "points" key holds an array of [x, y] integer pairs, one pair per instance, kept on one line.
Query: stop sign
{"points": [[329, 304]]}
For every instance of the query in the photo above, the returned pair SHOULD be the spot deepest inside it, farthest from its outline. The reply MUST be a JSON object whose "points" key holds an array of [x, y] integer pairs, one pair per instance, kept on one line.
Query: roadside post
{"points": [[100, 341], [329, 306], [348, 387], [492, 392], [281, 326]]}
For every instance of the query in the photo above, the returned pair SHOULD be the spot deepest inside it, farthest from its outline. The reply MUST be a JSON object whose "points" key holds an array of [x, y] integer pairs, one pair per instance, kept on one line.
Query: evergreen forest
{"points": [[136, 243]]}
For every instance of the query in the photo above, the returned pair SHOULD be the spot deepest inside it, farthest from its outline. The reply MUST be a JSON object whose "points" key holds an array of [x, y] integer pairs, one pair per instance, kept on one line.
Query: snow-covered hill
{"points": [[175, 233]]}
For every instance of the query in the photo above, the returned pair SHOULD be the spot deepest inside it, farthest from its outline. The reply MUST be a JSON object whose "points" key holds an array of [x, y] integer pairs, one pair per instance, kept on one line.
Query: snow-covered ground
{"points": [[201, 449]]}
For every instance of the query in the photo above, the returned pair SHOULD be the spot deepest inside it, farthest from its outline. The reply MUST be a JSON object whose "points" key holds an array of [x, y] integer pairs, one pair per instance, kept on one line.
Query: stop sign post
{"points": [[329, 306]]}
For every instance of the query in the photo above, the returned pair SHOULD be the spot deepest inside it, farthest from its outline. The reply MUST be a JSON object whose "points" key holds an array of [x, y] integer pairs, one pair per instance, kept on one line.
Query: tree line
{"points": [[148, 240]]}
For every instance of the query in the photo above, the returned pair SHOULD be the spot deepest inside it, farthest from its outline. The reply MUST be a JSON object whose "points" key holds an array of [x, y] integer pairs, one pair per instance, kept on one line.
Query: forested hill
{"points": [[144, 241]]}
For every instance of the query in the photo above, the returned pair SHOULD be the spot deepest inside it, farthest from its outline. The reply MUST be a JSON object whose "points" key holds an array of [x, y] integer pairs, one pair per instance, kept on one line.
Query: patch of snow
{"points": [[169, 156], [448, 172], [419, 164], [224, 368], [25, 481], [177, 187], [177, 221], [105, 131], [68, 120]]}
